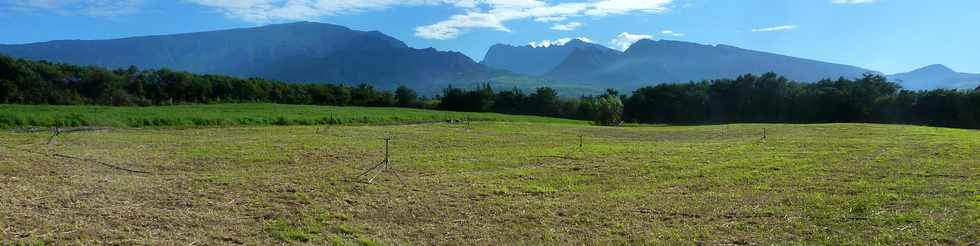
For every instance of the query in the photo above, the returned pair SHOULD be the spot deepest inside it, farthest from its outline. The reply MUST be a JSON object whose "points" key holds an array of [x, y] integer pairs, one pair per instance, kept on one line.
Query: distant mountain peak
{"points": [[666, 42], [935, 68], [565, 42], [577, 42], [535, 58], [303, 24], [647, 45], [936, 76]]}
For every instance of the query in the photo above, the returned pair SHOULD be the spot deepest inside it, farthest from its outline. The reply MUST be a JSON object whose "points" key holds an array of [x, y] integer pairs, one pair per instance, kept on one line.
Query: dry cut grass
{"points": [[496, 183]]}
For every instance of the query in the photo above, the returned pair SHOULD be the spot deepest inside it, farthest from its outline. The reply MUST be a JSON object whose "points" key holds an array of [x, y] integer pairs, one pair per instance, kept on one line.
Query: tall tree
{"points": [[406, 97]]}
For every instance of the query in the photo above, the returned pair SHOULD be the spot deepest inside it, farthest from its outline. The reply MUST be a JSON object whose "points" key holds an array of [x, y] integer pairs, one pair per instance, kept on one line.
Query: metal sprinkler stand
{"points": [[384, 166]]}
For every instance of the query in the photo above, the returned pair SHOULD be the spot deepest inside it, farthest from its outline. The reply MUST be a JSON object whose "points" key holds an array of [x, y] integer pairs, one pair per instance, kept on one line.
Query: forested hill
{"points": [[295, 52], [747, 98]]}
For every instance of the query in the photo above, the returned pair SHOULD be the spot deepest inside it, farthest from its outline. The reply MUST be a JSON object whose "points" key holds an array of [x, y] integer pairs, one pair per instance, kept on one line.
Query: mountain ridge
{"points": [[936, 76], [267, 52], [664, 61], [531, 60]]}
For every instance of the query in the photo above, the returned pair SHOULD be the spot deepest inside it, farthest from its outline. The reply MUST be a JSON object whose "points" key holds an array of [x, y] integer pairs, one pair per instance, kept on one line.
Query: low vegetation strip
{"points": [[210, 115]]}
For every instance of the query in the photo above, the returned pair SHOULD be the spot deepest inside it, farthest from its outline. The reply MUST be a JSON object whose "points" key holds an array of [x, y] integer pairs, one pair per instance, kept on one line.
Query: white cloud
{"points": [[619, 7], [550, 19], [776, 28], [625, 40], [493, 14], [477, 14], [852, 1], [671, 33], [76, 7], [566, 27], [557, 42], [453, 27], [263, 11]]}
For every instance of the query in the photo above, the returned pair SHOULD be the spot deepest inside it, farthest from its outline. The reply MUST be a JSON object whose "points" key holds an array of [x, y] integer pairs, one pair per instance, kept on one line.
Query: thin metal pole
{"points": [[387, 155]]}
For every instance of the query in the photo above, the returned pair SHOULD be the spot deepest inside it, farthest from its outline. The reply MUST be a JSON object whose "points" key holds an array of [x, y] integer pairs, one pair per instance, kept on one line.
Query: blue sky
{"points": [[885, 35]]}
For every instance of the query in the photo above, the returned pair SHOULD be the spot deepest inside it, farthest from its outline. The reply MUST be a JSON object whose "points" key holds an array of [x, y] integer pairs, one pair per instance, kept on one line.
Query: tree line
{"points": [[768, 98], [748, 98], [39, 82], [606, 109], [772, 98]]}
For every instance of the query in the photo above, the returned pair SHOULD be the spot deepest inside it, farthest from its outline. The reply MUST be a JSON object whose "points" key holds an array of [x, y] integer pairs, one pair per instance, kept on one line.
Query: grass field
{"points": [[18, 116], [490, 183]]}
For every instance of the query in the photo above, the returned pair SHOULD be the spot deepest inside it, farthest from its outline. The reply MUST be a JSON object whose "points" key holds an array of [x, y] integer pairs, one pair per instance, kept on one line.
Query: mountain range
{"points": [[295, 52], [318, 52], [653, 62]]}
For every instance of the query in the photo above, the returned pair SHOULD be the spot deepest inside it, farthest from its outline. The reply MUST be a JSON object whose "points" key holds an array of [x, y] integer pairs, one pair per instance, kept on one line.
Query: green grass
{"points": [[497, 183], [13, 116], [530, 84]]}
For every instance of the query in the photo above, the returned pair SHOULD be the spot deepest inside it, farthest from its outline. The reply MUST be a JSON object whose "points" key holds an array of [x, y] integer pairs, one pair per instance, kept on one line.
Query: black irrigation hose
{"points": [[77, 158], [101, 163]]}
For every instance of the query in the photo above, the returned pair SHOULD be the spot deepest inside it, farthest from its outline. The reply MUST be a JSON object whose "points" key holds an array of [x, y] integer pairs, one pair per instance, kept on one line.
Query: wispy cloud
{"points": [[852, 1], [776, 28], [75, 7], [624, 40], [557, 42], [671, 33], [264, 11], [494, 14], [476, 14], [567, 26]]}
